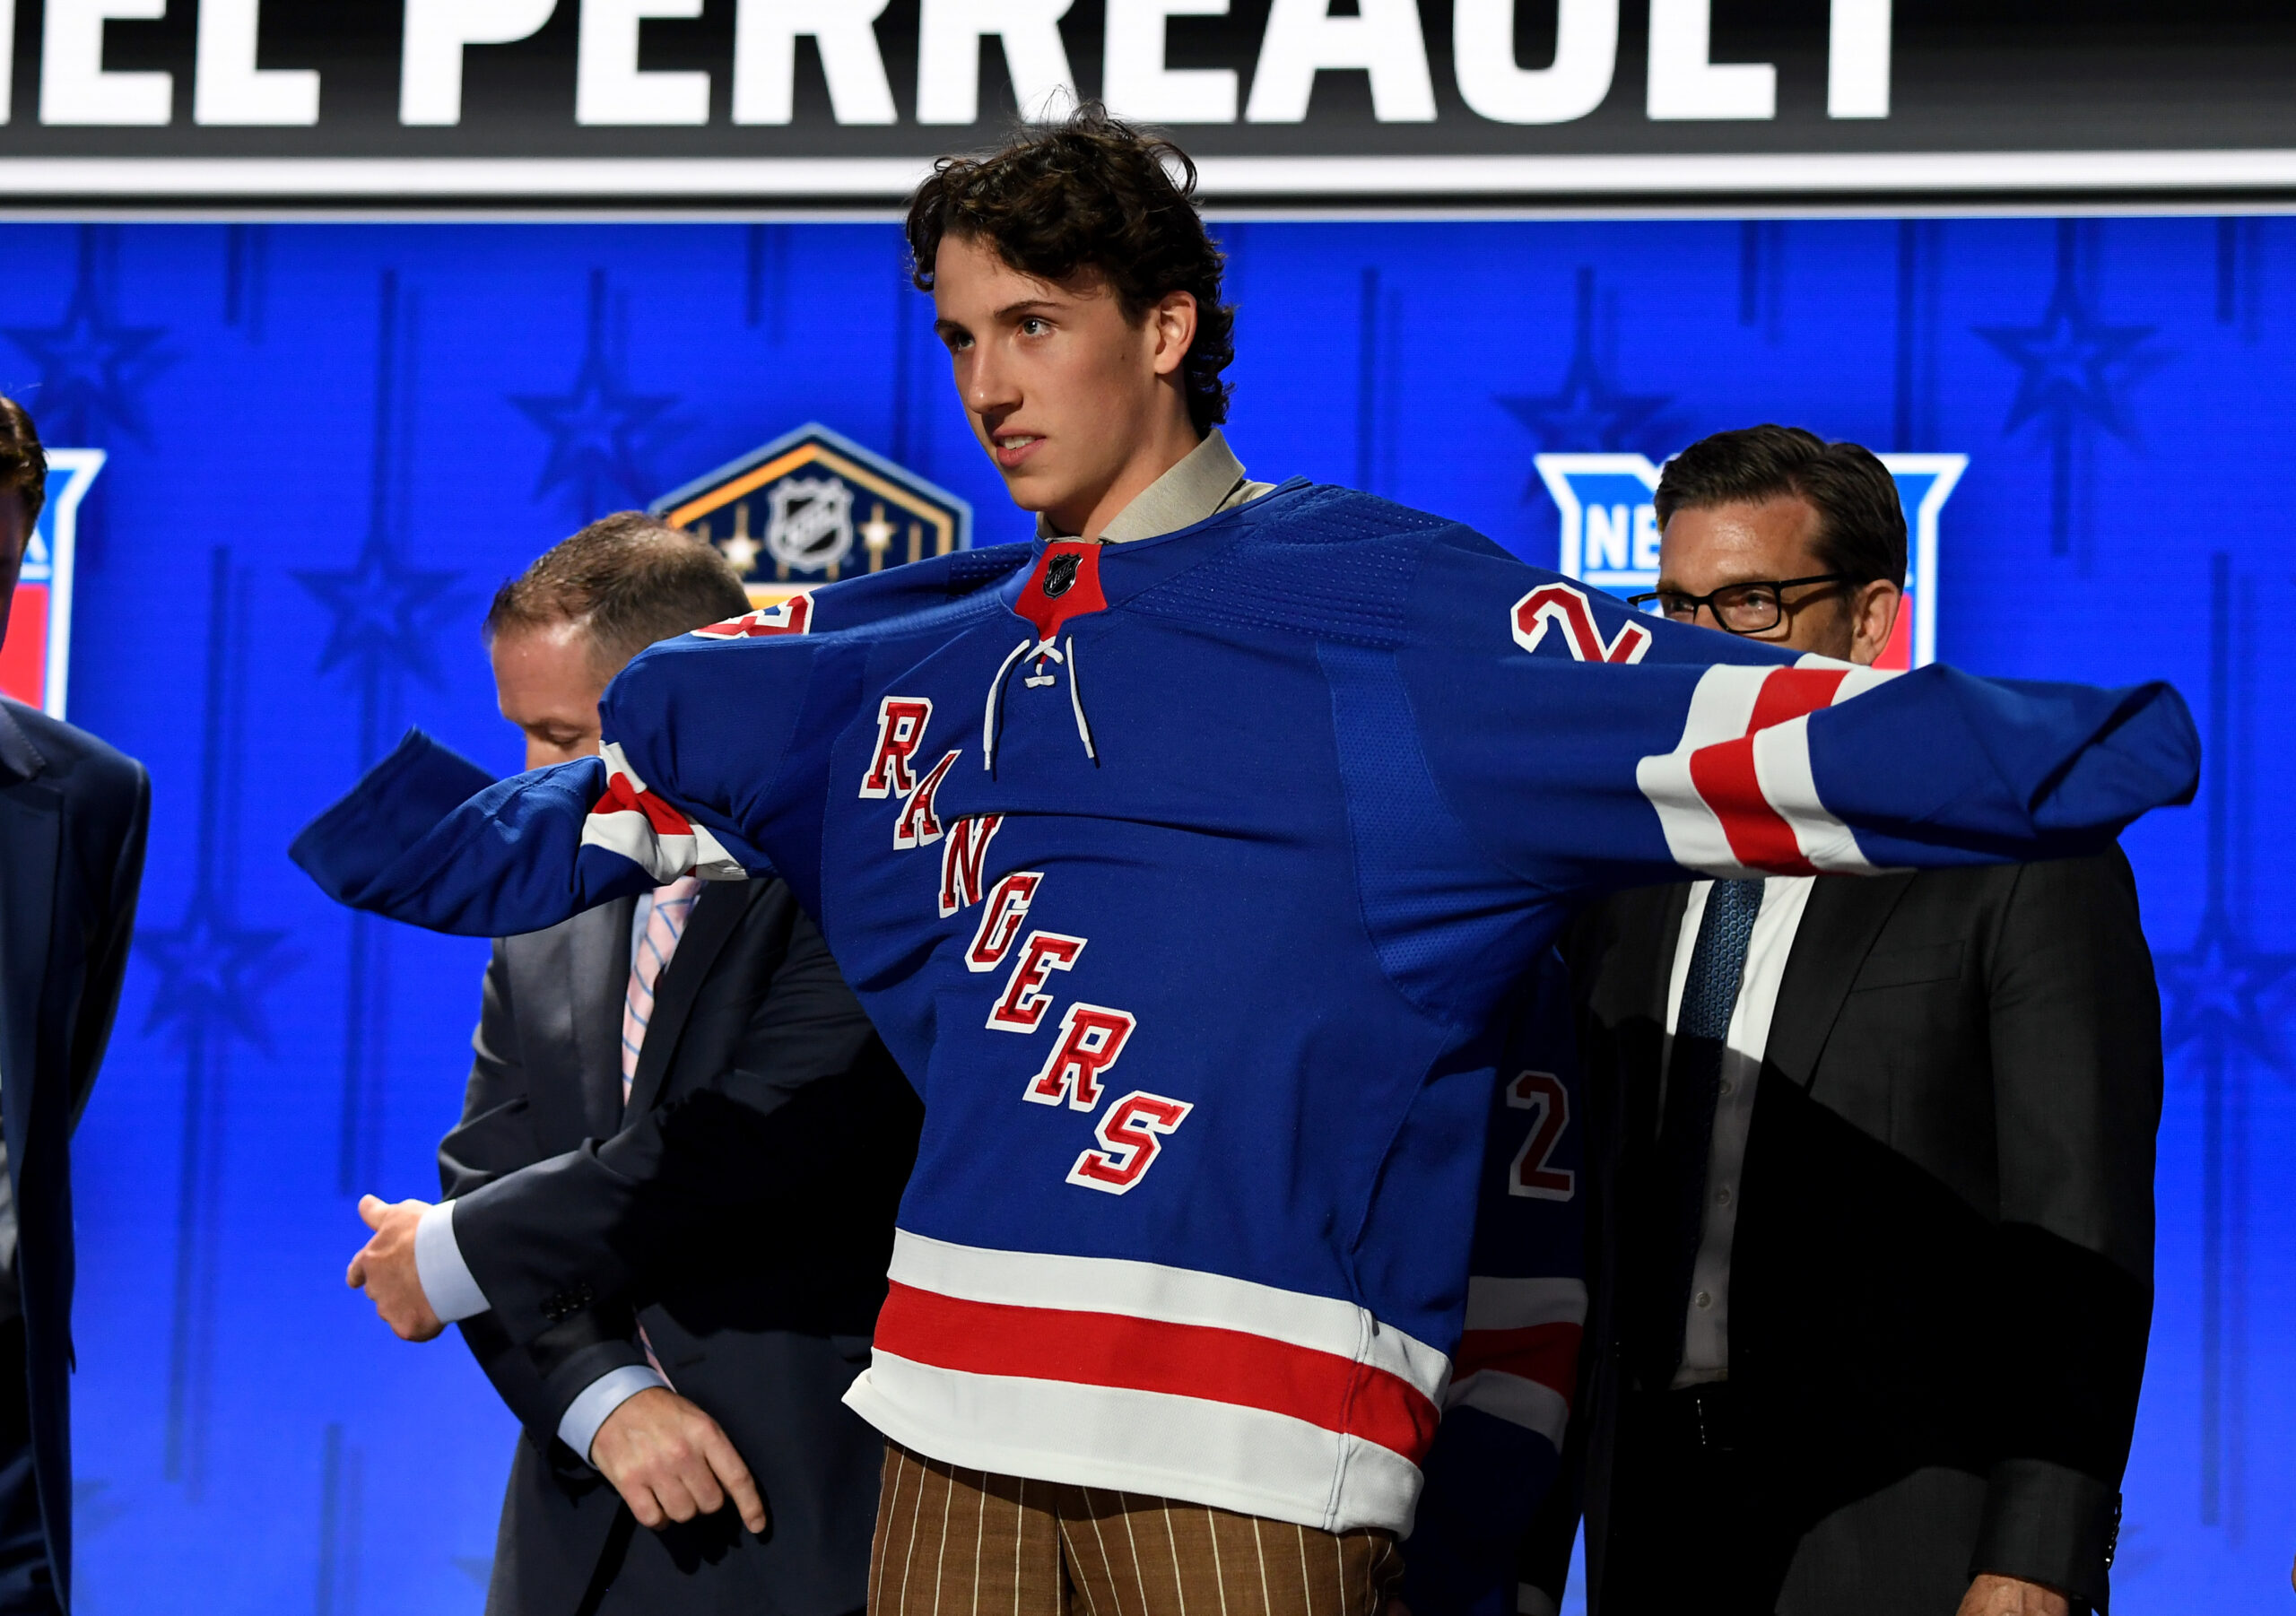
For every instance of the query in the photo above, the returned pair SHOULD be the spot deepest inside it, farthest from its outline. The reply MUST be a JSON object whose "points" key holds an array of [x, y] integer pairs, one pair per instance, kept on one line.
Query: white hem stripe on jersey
{"points": [[1187, 1448]]}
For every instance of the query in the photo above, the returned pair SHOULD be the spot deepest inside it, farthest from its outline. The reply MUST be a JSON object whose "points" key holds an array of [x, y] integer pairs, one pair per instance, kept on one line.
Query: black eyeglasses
{"points": [[1748, 608]]}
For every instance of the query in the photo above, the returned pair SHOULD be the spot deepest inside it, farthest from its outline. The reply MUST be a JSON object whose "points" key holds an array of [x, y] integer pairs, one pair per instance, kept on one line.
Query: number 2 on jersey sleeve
{"points": [[1541, 1093]]}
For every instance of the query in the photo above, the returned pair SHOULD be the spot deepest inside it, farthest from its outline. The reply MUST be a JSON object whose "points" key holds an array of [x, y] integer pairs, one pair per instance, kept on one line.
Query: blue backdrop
{"points": [[329, 442]]}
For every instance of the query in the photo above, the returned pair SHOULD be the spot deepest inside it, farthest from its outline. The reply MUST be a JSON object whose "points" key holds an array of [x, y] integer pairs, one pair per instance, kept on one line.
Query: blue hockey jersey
{"points": [[1185, 878]]}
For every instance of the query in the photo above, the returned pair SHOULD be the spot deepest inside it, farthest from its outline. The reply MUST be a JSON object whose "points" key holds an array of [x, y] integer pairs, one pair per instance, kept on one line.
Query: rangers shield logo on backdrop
{"points": [[35, 661], [812, 507], [1610, 532]]}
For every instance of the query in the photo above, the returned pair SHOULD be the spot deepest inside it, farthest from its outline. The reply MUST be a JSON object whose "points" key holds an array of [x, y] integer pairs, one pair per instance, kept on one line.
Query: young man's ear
{"points": [[1173, 323]]}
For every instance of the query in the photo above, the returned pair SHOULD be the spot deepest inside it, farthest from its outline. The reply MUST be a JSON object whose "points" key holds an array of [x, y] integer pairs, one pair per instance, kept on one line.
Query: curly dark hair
{"points": [[1097, 193]]}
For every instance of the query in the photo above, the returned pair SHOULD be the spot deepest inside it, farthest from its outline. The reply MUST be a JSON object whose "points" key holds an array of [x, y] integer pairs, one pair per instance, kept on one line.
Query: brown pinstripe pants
{"points": [[969, 1543]]}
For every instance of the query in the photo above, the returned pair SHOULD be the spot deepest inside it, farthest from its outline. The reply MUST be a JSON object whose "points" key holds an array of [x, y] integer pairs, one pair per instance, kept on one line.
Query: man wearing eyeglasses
{"points": [[1873, 1161]]}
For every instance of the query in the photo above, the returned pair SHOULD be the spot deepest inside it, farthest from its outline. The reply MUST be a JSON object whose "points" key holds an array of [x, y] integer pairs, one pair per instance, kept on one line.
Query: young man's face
{"points": [[1078, 406], [547, 682]]}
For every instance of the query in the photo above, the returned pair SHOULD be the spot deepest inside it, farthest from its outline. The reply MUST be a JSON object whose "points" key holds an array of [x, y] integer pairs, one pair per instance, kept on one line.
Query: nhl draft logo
{"points": [[1610, 532], [35, 661], [812, 507], [812, 525]]}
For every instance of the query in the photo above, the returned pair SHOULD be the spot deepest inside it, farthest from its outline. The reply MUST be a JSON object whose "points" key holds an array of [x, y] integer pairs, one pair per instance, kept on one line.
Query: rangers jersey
{"points": [[1185, 877]]}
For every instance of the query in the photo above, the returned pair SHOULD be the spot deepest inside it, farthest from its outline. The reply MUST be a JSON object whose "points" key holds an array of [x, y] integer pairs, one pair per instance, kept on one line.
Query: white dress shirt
{"points": [[1706, 1322]]}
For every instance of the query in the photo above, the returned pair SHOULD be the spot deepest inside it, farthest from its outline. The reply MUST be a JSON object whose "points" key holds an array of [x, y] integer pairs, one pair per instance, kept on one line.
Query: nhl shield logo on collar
{"points": [[812, 507], [1066, 583]]}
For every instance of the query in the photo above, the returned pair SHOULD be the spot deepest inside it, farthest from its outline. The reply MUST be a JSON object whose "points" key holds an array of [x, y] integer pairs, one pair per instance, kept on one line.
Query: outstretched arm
{"points": [[716, 741], [429, 838], [1586, 747]]}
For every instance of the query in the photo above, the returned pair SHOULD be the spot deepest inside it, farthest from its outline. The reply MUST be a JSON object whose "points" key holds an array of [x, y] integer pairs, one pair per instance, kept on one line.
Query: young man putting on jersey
{"points": [[1195, 953]]}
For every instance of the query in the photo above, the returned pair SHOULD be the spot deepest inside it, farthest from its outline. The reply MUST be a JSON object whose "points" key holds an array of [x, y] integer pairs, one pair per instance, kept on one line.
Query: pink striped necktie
{"points": [[664, 926]]}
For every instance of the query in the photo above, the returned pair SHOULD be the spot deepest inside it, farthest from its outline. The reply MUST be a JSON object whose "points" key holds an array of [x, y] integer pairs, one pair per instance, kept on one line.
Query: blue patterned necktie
{"points": [[1677, 1201]]}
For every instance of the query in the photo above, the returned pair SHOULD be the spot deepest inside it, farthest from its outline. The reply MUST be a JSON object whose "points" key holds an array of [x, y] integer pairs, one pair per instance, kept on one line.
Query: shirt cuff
{"points": [[446, 1283], [578, 1427]]}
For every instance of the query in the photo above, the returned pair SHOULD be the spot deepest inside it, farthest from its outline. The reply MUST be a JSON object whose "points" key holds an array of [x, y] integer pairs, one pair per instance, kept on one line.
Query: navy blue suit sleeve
{"points": [[108, 946], [539, 1381]]}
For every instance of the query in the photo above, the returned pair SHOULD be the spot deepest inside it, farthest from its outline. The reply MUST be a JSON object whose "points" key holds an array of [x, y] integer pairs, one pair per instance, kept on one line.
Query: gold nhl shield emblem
{"points": [[812, 507]]}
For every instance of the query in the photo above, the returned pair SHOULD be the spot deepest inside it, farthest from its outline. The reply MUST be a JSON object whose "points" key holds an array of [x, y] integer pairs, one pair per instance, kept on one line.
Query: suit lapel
{"points": [[554, 1002], [599, 968], [591, 969], [1846, 913], [1648, 922], [1661, 938], [709, 923]]}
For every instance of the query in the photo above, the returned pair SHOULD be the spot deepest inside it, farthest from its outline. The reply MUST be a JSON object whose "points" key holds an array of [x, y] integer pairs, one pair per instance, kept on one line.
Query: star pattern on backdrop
{"points": [[2072, 365], [1587, 412], [92, 364], [383, 610], [212, 971], [2220, 988], [740, 551], [600, 427]]}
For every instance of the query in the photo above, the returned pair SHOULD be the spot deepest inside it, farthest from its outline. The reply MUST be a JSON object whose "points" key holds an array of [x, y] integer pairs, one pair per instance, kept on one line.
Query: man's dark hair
{"points": [[1092, 193], [23, 464], [628, 579], [1861, 525]]}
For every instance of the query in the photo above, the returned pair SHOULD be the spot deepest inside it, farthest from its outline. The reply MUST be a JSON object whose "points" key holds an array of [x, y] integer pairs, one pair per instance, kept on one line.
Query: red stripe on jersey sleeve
{"points": [[1726, 776]]}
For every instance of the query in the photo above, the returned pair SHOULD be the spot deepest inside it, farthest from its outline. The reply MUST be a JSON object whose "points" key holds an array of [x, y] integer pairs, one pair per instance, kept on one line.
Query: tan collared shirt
{"points": [[1208, 480]]}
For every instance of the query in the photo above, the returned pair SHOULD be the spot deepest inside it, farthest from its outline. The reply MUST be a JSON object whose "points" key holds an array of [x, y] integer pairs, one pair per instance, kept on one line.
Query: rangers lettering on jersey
{"points": [[1127, 1136], [963, 856], [1000, 917], [918, 826], [1092, 1038], [1020, 1007], [901, 731]]}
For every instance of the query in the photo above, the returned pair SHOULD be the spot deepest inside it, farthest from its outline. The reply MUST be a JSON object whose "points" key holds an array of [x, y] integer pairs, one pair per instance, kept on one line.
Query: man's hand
{"points": [[384, 1268], [2007, 1596], [670, 1461]]}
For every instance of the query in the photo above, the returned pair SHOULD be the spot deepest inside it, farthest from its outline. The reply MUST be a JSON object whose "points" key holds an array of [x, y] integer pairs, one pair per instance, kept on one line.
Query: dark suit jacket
{"points": [[1941, 1274], [744, 1215], [72, 813]]}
